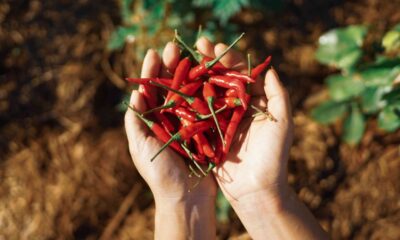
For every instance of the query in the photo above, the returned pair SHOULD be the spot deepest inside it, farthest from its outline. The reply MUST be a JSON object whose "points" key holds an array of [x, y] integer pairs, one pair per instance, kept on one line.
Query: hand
{"points": [[168, 174], [254, 176], [257, 160]]}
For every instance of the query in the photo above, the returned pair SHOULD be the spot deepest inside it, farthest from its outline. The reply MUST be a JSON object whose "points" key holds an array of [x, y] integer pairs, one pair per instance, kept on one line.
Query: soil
{"points": [[65, 169]]}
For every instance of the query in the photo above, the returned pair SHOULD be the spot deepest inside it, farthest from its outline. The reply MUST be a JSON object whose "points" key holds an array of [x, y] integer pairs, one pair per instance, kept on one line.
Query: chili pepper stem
{"points": [[168, 105], [195, 55], [192, 171], [146, 121], [215, 60], [170, 89], [173, 138], [211, 166], [209, 103], [248, 64], [267, 114], [191, 157], [199, 32], [204, 117]]}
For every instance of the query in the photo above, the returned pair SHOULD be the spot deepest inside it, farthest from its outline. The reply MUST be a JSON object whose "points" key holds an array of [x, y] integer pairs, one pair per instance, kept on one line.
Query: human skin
{"points": [[253, 177]]}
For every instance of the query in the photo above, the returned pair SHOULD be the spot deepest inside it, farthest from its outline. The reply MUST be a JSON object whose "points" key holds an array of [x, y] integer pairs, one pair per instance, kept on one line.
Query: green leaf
{"points": [[203, 3], [343, 87], [391, 40], [329, 111], [371, 99], [126, 11], [393, 96], [225, 9], [354, 126], [341, 47], [223, 208], [379, 76], [118, 37], [389, 118]]}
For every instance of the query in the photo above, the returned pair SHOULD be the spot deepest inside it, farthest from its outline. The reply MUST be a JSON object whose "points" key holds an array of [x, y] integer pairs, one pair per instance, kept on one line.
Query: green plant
{"points": [[151, 23], [362, 89]]}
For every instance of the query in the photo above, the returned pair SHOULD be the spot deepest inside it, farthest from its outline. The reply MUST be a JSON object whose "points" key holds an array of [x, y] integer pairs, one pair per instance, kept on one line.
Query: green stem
{"points": [[199, 32], [248, 64], [174, 137], [204, 117], [146, 121], [168, 105], [187, 98], [215, 60], [195, 55], [210, 106], [211, 166]]}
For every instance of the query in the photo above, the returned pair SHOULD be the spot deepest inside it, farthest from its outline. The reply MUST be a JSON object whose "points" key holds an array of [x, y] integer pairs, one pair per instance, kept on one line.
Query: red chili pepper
{"points": [[218, 67], [228, 82], [230, 93], [176, 99], [196, 103], [185, 133], [180, 74], [202, 68], [150, 95], [230, 102], [259, 68], [235, 74], [218, 152], [186, 114], [209, 94], [160, 133], [146, 81], [206, 147], [237, 116], [223, 123]]}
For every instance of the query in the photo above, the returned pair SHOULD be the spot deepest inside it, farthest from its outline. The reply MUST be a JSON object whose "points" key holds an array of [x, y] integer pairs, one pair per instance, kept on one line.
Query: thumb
{"points": [[278, 98], [134, 127]]}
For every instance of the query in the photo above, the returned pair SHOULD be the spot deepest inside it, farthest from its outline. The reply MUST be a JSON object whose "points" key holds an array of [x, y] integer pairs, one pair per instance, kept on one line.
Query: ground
{"points": [[65, 169]]}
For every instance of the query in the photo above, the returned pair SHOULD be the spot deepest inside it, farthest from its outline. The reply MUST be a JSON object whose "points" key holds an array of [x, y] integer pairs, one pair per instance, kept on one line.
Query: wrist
{"points": [[191, 216], [271, 199]]}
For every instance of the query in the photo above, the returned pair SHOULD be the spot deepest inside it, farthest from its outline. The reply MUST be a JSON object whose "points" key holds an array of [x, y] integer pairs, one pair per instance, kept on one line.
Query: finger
{"points": [[170, 59], [232, 59], [278, 98], [151, 66], [205, 47], [135, 128]]}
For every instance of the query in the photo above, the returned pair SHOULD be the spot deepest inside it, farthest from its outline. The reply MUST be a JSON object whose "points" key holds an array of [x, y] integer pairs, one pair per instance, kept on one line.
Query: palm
{"points": [[168, 174], [258, 155], [254, 157]]}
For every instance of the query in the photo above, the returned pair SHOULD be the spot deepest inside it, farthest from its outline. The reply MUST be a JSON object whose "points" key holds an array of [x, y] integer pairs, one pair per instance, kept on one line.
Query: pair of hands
{"points": [[257, 161]]}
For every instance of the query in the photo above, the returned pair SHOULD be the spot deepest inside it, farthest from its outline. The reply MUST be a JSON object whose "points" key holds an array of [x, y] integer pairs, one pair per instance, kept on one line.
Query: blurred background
{"points": [[65, 170]]}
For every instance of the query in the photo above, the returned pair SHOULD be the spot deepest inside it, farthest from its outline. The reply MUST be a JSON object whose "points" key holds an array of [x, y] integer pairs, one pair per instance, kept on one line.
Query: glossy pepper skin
{"points": [[210, 95], [176, 99], [186, 133], [227, 82], [160, 133], [181, 73], [230, 93], [150, 95], [233, 124], [235, 74], [256, 71], [230, 102]]}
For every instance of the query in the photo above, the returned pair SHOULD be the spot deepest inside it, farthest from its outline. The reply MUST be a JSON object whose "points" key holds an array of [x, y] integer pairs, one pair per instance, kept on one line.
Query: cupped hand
{"points": [[257, 160], [168, 174]]}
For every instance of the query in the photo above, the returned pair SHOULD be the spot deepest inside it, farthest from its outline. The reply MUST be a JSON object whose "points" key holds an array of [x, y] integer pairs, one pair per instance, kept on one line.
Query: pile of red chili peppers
{"points": [[197, 111]]}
